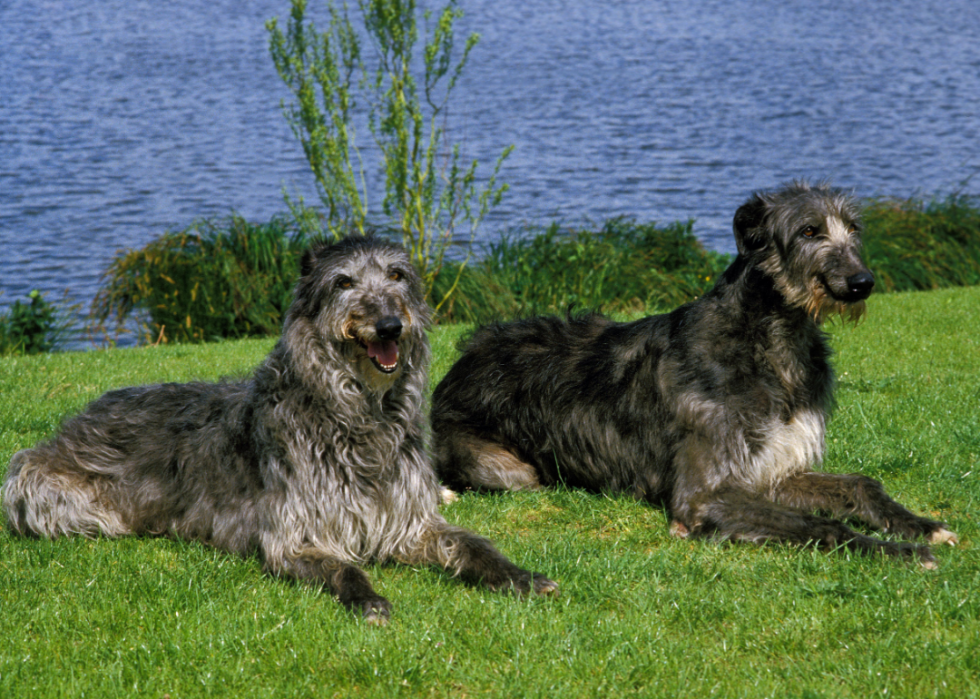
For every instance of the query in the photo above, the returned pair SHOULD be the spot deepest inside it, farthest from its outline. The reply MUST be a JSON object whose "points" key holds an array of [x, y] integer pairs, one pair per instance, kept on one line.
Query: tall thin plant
{"points": [[430, 193]]}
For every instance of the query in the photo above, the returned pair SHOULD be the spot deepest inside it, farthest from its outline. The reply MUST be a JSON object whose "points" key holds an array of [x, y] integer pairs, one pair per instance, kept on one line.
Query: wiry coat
{"points": [[317, 462], [717, 410]]}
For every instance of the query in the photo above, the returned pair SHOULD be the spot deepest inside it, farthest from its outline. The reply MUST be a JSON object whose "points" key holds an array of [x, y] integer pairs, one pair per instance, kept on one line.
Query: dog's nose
{"points": [[390, 327], [861, 283]]}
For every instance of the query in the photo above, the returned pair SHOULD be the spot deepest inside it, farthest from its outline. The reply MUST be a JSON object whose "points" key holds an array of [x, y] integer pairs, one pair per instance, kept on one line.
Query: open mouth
{"points": [[384, 354]]}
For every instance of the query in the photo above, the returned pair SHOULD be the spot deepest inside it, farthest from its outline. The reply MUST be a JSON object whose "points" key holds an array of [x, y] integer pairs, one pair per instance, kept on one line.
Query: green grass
{"points": [[641, 614]]}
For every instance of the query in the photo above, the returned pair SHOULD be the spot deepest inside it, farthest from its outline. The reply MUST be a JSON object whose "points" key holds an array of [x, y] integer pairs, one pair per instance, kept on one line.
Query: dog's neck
{"points": [[752, 295], [788, 337]]}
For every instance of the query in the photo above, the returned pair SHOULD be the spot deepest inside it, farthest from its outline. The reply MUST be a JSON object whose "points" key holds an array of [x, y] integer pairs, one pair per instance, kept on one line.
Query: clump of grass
{"points": [[478, 295], [233, 279], [913, 245], [224, 279], [33, 327], [624, 266]]}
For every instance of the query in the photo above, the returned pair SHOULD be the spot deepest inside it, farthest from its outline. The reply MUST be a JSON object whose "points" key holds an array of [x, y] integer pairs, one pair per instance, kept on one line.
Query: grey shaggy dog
{"points": [[317, 463], [717, 410]]}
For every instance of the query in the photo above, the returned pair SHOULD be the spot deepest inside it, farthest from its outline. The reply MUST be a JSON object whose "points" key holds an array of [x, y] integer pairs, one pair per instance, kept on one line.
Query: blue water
{"points": [[121, 119]]}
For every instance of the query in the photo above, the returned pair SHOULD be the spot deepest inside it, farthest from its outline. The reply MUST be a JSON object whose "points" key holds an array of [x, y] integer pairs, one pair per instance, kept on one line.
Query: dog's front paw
{"points": [[943, 536], [906, 551], [925, 557], [375, 611], [522, 583], [544, 586]]}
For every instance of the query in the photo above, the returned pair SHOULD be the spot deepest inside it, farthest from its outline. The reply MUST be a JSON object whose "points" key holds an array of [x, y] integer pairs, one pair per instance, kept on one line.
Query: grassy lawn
{"points": [[641, 614]]}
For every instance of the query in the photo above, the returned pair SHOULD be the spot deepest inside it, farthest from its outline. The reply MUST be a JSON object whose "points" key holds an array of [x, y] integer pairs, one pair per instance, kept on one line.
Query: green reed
{"points": [[232, 278], [911, 244], [623, 266], [35, 325], [224, 279]]}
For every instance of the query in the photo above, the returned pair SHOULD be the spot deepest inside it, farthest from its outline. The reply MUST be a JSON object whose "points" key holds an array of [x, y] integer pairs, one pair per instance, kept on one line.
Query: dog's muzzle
{"points": [[384, 351]]}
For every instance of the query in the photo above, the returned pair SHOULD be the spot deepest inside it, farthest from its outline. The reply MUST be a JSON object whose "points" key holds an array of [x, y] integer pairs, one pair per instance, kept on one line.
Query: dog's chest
{"points": [[784, 447], [355, 499]]}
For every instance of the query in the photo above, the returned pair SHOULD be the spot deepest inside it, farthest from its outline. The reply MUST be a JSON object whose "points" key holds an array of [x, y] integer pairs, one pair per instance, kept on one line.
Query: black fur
{"points": [[716, 410]]}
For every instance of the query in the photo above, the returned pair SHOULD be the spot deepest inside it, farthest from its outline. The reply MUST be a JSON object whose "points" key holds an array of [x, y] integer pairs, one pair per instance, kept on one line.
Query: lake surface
{"points": [[121, 119]]}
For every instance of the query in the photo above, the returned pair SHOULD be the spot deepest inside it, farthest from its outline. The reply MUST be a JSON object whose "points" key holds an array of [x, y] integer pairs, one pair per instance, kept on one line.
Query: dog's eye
{"points": [[344, 283], [396, 275], [809, 231]]}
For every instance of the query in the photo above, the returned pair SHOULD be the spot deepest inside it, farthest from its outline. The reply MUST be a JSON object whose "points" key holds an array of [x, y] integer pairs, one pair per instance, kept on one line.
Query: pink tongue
{"points": [[386, 351]]}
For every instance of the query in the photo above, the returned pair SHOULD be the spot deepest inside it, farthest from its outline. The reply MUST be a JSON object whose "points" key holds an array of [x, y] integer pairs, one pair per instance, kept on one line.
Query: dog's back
{"points": [[544, 391], [592, 403], [168, 458]]}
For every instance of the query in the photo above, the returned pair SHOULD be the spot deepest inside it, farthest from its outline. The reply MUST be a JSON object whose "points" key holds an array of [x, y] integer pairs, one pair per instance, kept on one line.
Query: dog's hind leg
{"points": [[348, 583], [476, 560], [465, 461], [45, 497], [740, 515], [859, 497]]}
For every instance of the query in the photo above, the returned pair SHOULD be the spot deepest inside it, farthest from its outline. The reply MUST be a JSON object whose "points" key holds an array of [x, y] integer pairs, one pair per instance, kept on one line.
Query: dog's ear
{"points": [[748, 224], [305, 294], [307, 262]]}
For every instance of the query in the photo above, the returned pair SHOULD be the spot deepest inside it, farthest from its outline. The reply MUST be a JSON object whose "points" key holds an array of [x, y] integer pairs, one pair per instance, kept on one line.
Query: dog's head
{"points": [[807, 238], [364, 297]]}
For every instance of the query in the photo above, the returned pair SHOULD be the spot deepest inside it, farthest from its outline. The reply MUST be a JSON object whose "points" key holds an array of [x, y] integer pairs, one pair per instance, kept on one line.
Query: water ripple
{"points": [[119, 120]]}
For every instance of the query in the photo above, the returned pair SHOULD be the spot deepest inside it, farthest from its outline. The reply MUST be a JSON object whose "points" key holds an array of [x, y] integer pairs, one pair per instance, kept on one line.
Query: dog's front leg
{"points": [[733, 513], [860, 497], [348, 583], [707, 501], [476, 560]]}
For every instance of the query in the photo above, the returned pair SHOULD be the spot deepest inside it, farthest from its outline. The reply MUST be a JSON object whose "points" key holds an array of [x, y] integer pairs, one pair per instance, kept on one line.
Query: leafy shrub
{"points": [[212, 280], [30, 328], [911, 244]]}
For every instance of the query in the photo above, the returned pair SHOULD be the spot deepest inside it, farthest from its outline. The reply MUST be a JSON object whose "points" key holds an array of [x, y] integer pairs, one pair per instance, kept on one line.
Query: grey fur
{"points": [[317, 463], [717, 410]]}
